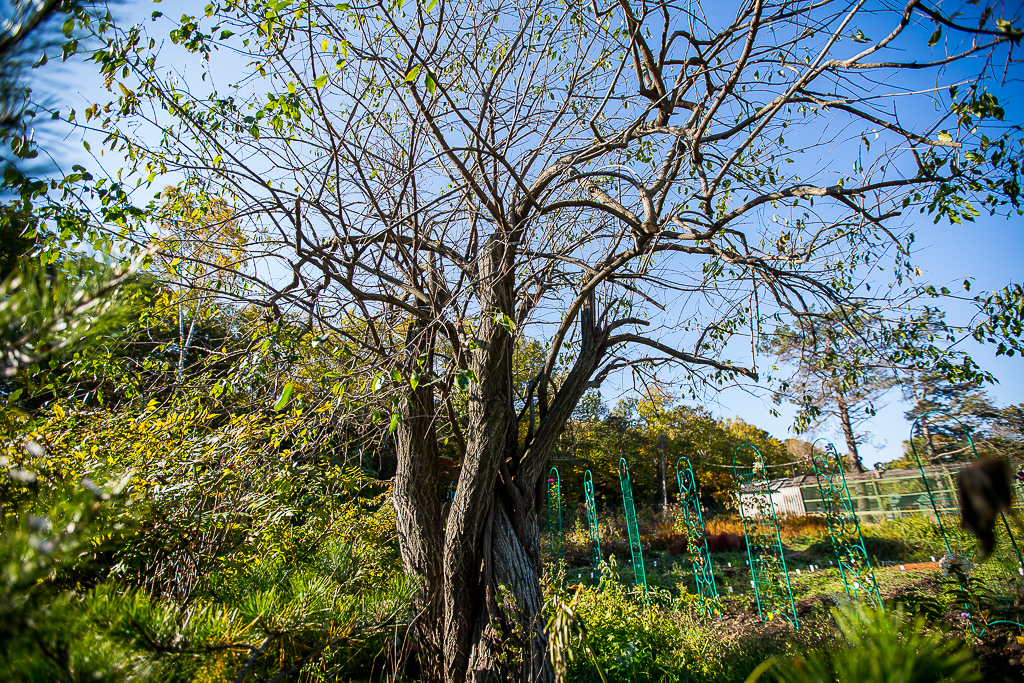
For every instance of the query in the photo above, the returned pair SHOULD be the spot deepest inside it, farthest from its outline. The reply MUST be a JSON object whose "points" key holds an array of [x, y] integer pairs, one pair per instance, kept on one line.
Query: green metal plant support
{"points": [[843, 524], [554, 515], [1010, 578], [769, 577], [697, 541], [639, 576], [595, 533]]}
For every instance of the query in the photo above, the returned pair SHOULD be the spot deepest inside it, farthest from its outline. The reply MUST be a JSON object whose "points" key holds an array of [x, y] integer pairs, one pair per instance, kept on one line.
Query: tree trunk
{"points": [[928, 440], [418, 505], [851, 441], [478, 613]]}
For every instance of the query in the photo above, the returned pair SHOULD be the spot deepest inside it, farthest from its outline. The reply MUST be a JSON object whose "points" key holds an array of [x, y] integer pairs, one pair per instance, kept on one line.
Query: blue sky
{"points": [[988, 251]]}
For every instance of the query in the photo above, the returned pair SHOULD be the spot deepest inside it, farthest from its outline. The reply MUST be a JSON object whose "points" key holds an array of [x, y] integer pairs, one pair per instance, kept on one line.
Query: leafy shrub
{"points": [[883, 647], [297, 568], [630, 639]]}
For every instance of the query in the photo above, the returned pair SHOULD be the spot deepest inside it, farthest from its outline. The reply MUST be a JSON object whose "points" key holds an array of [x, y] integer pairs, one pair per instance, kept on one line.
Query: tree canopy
{"points": [[647, 187]]}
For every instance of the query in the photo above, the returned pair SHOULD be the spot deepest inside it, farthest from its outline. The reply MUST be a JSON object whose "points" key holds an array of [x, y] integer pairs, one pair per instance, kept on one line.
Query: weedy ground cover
{"points": [[663, 636]]}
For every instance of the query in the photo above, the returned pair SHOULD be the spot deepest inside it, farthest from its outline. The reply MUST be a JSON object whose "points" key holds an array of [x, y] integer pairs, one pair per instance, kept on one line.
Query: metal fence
{"points": [[876, 495]]}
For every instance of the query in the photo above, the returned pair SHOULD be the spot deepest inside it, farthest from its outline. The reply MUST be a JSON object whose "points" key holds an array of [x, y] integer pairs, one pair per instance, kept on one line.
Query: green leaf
{"points": [[394, 423], [320, 82], [430, 85], [935, 37], [463, 379], [396, 375], [413, 72], [225, 34], [285, 395], [431, 5], [505, 321], [414, 380]]}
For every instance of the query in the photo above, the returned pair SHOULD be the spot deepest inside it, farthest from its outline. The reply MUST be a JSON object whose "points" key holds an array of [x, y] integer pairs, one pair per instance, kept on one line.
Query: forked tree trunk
{"points": [[478, 612]]}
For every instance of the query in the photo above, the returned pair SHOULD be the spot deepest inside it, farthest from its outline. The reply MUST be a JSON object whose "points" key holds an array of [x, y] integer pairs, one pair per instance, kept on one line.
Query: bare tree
{"points": [[438, 183]]}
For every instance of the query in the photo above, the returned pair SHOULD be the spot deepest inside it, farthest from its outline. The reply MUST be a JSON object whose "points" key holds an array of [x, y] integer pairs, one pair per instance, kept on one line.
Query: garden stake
{"points": [[843, 524], [595, 533], [554, 508], [639, 577], [769, 577], [1008, 580], [697, 541]]}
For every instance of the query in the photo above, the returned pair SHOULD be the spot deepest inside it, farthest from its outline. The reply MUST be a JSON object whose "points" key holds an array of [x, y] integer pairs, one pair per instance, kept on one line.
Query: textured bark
{"points": [[469, 587], [500, 651], [417, 507], [478, 613]]}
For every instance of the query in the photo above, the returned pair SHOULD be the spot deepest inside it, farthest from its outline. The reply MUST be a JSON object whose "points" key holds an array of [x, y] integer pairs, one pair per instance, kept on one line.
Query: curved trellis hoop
{"points": [[554, 515], [595, 534], [769, 576], [1011, 565], [936, 509], [843, 524], [639, 576], [697, 541]]}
